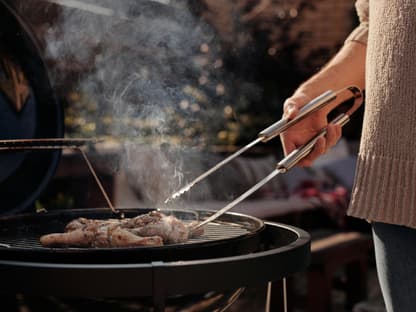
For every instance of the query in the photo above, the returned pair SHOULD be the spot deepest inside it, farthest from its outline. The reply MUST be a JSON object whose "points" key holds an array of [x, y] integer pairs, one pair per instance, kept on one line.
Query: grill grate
{"points": [[21, 238], [231, 234]]}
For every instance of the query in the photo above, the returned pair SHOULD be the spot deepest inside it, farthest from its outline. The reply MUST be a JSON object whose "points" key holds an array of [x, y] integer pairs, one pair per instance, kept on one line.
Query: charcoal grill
{"points": [[19, 238], [236, 251], [282, 250]]}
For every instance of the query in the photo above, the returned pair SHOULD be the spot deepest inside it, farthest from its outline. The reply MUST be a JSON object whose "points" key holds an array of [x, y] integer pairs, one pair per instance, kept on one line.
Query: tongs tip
{"points": [[177, 194]]}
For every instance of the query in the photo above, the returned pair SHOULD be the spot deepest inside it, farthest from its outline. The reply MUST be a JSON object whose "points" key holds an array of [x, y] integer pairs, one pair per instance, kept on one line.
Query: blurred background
{"points": [[215, 72], [183, 82]]}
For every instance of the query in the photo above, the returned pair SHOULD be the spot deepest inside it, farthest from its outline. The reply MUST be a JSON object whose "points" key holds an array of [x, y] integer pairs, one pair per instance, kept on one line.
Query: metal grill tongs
{"points": [[352, 93]]}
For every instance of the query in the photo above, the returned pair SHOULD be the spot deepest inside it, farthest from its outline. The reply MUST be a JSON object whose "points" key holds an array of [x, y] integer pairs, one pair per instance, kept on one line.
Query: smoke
{"points": [[148, 73]]}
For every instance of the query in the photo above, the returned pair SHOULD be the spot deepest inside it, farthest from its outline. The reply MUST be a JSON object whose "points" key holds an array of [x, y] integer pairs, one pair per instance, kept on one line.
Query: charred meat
{"points": [[151, 229]]}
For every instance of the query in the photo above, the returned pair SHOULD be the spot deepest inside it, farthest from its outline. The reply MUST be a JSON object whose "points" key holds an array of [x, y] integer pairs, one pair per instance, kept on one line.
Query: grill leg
{"points": [[284, 294], [268, 297], [276, 298]]}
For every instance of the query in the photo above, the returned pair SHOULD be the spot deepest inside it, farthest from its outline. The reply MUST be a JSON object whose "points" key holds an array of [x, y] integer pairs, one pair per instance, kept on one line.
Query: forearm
{"points": [[346, 68]]}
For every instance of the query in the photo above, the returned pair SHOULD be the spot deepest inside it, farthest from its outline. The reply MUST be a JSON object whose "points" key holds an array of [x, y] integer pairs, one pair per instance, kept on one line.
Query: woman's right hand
{"points": [[346, 68], [303, 131]]}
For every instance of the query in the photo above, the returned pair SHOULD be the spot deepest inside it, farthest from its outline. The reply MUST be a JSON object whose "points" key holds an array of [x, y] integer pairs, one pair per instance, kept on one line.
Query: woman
{"points": [[379, 55]]}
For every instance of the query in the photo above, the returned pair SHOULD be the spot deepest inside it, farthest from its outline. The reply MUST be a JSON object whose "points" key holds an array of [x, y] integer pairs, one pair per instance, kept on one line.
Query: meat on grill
{"points": [[152, 229]]}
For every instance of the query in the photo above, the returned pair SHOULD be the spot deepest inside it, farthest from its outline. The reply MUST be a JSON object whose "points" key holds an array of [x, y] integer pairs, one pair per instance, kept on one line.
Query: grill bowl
{"points": [[283, 250]]}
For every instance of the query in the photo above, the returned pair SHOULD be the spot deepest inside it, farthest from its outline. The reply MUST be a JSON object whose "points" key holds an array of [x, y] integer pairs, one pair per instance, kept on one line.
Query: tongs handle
{"points": [[298, 154], [316, 104], [278, 127]]}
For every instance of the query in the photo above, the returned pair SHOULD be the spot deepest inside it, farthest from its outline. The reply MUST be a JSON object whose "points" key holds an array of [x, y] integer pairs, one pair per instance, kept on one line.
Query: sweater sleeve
{"points": [[360, 33]]}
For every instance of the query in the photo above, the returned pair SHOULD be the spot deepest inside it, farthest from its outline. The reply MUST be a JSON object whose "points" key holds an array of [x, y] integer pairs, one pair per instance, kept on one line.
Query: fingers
{"points": [[299, 134], [333, 134], [322, 145]]}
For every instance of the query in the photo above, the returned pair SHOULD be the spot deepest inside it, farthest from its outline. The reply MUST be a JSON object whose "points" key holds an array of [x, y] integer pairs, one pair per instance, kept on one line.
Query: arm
{"points": [[345, 69]]}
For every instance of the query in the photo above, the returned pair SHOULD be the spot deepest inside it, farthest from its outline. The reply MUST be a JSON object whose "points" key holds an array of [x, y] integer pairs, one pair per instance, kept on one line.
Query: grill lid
{"points": [[28, 109]]}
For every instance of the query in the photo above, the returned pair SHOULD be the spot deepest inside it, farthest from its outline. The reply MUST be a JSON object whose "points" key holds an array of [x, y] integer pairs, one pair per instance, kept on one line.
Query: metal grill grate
{"points": [[230, 235], [22, 238]]}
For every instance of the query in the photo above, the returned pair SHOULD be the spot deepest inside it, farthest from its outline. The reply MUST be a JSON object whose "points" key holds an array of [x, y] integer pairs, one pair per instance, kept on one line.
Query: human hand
{"points": [[303, 131]]}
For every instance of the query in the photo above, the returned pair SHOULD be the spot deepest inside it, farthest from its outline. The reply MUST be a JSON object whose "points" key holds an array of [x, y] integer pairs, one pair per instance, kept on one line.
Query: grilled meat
{"points": [[124, 238], [170, 229], [195, 232], [80, 237], [80, 223], [99, 236], [152, 229]]}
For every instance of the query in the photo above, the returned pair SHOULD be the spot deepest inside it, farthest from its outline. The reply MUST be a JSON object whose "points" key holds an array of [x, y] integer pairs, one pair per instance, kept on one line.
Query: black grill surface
{"points": [[21, 238], [232, 234]]}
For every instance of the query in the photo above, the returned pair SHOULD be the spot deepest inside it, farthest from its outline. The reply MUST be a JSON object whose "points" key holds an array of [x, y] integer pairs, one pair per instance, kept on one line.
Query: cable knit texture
{"points": [[385, 180]]}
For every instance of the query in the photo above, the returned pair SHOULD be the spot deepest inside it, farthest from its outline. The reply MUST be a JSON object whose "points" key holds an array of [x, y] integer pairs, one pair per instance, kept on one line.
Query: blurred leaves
{"points": [[194, 72], [58, 201]]}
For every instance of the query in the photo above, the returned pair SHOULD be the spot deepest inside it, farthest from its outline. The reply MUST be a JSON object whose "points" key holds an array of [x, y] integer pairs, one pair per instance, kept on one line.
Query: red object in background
{"points": [[334, 200]]}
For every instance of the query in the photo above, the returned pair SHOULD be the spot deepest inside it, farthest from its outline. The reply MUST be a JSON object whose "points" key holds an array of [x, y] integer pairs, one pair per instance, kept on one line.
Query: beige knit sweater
{"points": [[385, 183]]}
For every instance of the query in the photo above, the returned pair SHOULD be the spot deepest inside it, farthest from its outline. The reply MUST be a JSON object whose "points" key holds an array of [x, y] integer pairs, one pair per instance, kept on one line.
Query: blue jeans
{"points": [[395, 249]]}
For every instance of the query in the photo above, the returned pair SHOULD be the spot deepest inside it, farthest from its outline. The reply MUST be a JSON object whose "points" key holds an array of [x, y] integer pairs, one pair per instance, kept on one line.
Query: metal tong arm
{"points": [[282, 167], [270, 133], [316, 104], [293, 158], [298, 154], [239, 199]]}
